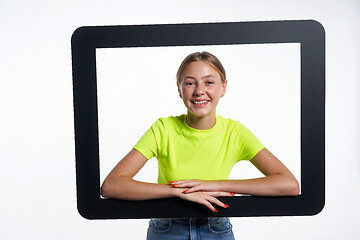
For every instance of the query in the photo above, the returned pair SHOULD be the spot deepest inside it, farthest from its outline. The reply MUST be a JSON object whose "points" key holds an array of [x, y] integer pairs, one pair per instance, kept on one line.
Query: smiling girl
{"points": [[196, 152]]}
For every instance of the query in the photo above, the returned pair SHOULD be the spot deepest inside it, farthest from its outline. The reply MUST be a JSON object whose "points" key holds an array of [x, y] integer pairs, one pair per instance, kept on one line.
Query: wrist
{"points": [[219, 185], [176, 192]]}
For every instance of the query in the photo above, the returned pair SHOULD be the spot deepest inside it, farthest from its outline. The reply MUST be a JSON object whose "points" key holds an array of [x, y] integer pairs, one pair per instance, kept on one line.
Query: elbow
{"points": [[297, 189], [288, 186], [114, 188], [105, 190], [293, 188], [108, 189]]}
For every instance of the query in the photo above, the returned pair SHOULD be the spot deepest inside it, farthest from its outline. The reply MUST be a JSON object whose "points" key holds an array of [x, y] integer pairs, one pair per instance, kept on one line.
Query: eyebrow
{"points": [[204, 77]]}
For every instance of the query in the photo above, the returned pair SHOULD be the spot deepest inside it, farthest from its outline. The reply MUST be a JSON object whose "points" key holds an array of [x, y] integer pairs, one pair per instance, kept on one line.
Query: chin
{"points": [[200, 114]]}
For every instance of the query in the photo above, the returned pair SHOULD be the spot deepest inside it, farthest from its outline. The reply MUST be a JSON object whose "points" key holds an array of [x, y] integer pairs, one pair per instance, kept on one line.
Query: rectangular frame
{"points": [[311, 36]]}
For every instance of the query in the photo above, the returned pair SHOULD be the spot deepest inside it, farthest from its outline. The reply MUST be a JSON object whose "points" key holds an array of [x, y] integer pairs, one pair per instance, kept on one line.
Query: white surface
{"points": [[37, 167]]}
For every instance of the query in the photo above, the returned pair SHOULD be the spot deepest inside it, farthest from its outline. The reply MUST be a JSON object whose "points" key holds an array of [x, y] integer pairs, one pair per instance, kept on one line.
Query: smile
{"points": [[201, 103]]}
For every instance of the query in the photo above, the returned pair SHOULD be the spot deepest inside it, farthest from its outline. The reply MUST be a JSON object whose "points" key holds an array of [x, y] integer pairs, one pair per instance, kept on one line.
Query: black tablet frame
{"points": [[311, 36]]}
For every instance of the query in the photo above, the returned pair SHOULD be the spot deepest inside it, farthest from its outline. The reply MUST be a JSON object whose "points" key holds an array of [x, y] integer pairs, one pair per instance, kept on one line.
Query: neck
{"points": [[201, 123]]}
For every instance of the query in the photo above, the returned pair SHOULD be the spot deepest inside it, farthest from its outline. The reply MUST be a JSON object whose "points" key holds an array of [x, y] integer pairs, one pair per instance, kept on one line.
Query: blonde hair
{"points": [[207, 57]]}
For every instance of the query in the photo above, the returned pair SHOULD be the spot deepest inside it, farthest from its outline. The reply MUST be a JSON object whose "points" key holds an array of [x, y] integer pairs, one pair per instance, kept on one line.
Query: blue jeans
{"points": [[190, 229]]}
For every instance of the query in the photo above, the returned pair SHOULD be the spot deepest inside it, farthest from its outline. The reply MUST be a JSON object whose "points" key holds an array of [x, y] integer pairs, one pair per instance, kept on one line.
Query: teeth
{"points": [[199, 102]]}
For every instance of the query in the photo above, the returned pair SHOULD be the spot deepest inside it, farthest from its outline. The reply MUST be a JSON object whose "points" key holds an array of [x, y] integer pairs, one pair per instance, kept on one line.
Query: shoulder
{"points": [[230, 124], [232, 128], [170, 122]]}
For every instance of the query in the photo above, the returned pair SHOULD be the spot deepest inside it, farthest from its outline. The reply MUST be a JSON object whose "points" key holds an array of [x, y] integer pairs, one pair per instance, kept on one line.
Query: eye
{"points": [[189, 83], [209, 82]]}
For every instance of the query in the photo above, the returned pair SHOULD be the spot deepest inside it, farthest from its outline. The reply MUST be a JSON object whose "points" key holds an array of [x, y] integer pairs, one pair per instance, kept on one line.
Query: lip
{"points": [[199, 104], [199, 100]]}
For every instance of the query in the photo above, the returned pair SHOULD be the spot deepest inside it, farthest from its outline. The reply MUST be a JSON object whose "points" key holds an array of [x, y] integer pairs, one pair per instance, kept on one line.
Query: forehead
{"points": [[200, 68]]}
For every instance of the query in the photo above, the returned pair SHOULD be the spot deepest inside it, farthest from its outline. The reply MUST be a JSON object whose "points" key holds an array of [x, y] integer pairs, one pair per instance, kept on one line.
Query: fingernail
{"points": [[226, 205], [185, 191], [175, 185], [215, 210], [171, 181], [232, 193]]}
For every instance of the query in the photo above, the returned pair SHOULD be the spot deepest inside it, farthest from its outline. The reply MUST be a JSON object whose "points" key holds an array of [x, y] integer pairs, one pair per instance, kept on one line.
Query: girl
{"points": [[196, 152]]}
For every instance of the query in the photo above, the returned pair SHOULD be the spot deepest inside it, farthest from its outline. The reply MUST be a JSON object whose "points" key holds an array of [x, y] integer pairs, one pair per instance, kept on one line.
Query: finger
{"points": [[188, 185], [196, 188], [218, 202], [176, 185], [179, 181], [208, 205], [221, 194], [204, 188], [200, 198], [185, 184]]}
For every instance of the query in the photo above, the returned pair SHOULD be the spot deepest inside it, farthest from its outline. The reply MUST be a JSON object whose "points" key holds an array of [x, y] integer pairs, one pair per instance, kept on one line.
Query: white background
{"points": [[37, 166], [136, 86]]}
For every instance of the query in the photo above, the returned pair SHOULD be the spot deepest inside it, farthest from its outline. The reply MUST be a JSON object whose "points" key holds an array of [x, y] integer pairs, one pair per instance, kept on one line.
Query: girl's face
{"points": [[201, 89]]}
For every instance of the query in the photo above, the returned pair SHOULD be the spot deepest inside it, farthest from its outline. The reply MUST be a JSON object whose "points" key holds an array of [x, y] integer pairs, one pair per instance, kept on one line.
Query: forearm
{"points": [[129, 189], [272, 185]]}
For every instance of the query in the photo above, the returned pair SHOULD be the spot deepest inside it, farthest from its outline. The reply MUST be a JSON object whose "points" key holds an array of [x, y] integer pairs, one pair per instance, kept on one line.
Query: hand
{"points": [[206, 198], [196, 185], [202, 192]]}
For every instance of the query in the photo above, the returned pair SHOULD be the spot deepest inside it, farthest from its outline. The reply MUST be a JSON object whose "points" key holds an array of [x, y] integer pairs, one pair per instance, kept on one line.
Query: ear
{"points": [[223, 90], [179, 89]]}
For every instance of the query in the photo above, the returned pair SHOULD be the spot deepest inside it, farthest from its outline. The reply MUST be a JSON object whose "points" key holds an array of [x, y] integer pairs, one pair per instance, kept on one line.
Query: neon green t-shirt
{"points": [[187, 153]]}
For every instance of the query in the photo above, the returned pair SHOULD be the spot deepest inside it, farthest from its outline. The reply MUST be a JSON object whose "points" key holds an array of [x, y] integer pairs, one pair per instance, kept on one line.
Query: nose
{"points": [[199, 90]]}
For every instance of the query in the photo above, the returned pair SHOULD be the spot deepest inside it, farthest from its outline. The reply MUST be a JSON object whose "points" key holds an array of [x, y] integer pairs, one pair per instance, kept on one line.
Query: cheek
{"points": [[215, 93], [187, 93]]}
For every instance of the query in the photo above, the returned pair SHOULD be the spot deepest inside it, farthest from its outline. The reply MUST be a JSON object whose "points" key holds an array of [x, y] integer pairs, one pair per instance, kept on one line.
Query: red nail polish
{"points": [[175, 185], [226, 205], [232, 193], [215, 210], [171, 181], [185, 191]]}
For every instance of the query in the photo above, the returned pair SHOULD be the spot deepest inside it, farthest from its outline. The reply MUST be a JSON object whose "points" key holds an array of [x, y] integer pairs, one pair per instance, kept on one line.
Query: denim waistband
{"points": [[199, 221]]}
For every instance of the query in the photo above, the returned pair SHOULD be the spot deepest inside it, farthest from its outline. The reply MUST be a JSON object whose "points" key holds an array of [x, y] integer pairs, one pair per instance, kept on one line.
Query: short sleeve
{"points": [[248, 144], [148, 143]]}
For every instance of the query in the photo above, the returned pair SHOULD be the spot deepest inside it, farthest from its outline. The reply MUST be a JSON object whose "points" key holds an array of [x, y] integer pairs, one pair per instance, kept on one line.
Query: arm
{"points": [[278, 180], [119, 184]]}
